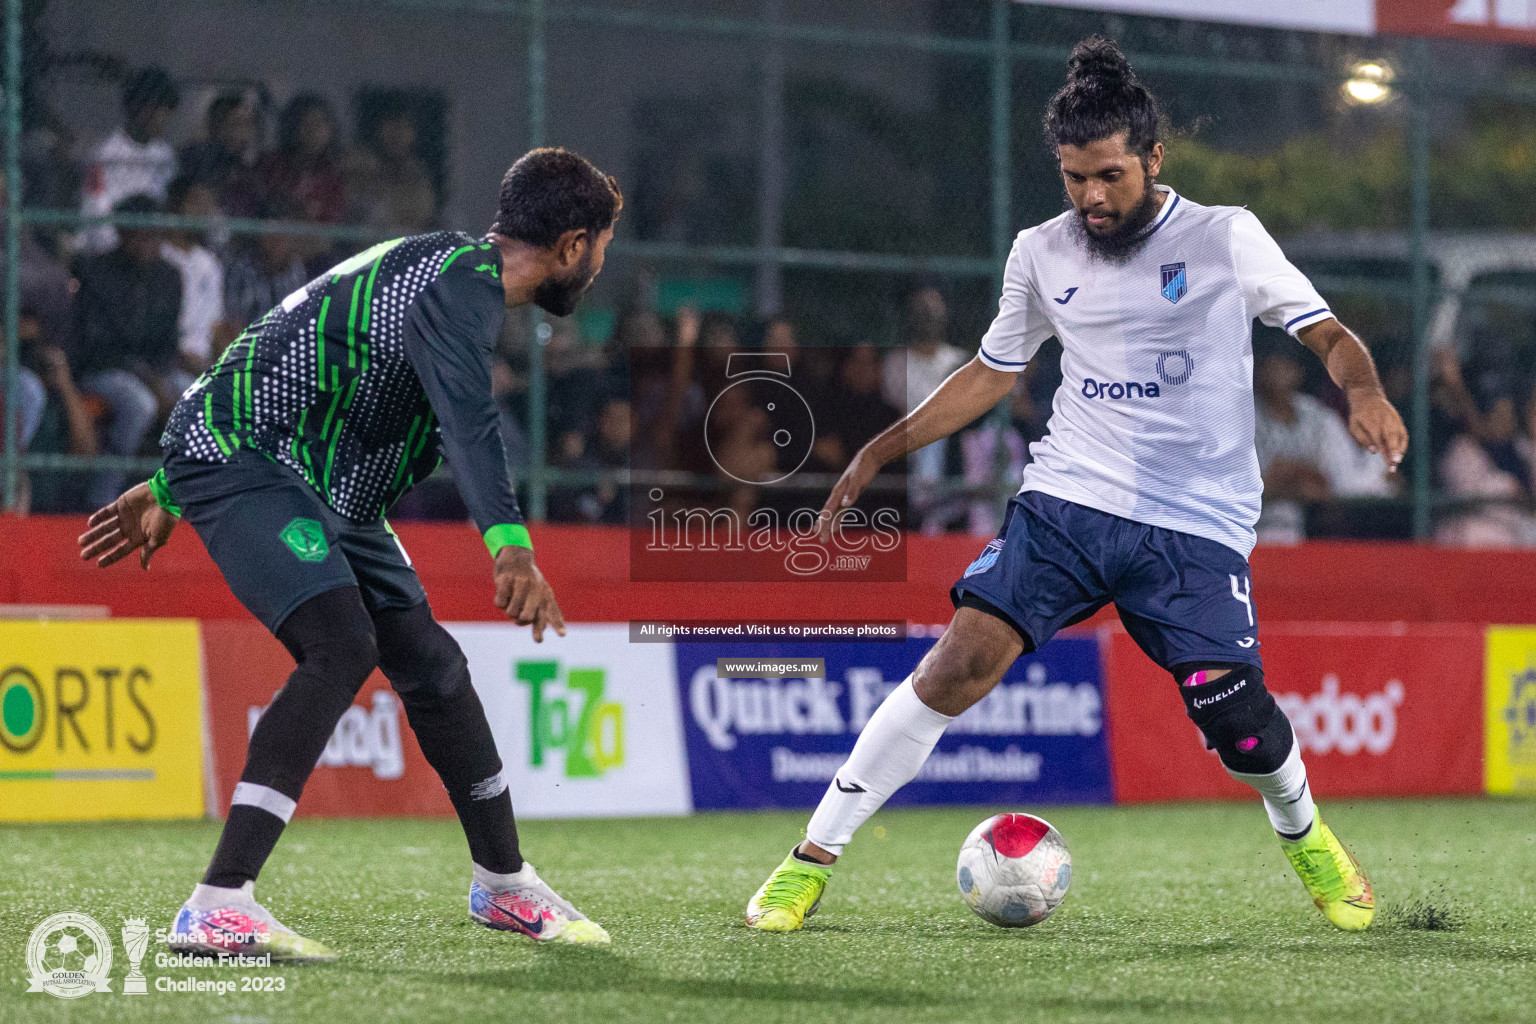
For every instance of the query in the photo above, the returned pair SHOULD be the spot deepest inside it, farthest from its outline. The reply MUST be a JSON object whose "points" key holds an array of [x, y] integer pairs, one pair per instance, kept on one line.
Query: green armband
{"points": [[507, 535], [162, 493]]}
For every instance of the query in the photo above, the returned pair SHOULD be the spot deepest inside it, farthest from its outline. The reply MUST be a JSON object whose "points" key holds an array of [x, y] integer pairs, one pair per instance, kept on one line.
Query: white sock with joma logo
{"points": [[892, 748]]}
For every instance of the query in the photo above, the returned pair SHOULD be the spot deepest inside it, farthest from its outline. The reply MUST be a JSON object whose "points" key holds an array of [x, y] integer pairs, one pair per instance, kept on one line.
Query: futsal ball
{"points": [[1014, 870]]}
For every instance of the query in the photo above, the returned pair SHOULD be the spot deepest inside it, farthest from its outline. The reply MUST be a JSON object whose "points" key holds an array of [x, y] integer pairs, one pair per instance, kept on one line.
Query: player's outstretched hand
{"points": [[1377, 427], [134, 522], [847, 490], [524, 594]]}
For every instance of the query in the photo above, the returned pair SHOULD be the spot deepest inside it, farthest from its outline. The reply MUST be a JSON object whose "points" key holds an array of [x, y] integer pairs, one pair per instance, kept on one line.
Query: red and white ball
{"points": [[1014, 870]]}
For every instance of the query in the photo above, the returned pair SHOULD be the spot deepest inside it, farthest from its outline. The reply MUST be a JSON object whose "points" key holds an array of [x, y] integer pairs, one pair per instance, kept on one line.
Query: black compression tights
{"points": [[335, 645], [427, 669], [331, 639]]}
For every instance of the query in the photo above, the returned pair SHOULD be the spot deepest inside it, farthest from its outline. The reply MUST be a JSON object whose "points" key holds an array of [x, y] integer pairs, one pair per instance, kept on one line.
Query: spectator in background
{"points": [[262, 276], [779, 335], [33, 400], [578, 377], [308, 165], [1304, 449], [1525, 444], [224, 160], [994, 453], [852, 412], [717, 330], [127, 317], [52, 169], [202, 277], [909, 376], [638, 327], [46, 318], [1486, 461], [389, 186], [54, 378], [34, 386], [603, 447], [47, 290], [135, 159]]}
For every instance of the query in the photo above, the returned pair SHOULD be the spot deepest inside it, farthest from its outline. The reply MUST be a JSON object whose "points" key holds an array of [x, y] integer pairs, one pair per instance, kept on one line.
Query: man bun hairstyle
{"points": [[551, 191], [1102, 98]]}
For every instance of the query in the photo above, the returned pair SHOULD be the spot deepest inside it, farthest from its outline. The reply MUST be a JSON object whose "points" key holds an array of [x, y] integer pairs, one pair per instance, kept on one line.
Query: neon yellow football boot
{"points": [[1333, 877], [791, 894]]}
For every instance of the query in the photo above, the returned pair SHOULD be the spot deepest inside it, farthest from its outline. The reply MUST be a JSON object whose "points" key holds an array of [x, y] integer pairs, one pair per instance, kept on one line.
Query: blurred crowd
{"points": [[117, 322]]}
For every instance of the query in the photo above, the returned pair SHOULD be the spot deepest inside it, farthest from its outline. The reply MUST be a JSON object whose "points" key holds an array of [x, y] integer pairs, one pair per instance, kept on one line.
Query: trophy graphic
{"points": [[135, 941]]}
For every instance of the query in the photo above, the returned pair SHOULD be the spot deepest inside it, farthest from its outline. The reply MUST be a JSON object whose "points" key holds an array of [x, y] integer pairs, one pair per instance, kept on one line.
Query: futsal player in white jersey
{"points": [[1144, 491]]}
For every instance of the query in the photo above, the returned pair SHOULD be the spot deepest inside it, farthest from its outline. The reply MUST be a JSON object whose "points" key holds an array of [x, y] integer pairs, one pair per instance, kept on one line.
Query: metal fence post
{"points": [[770, 167], [538, 330], [1418, 145], [12, 425], [1002, 207]]}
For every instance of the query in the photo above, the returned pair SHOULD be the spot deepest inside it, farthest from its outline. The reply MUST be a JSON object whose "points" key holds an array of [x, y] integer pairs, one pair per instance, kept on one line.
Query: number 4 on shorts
{"points": [[1245, 594]]}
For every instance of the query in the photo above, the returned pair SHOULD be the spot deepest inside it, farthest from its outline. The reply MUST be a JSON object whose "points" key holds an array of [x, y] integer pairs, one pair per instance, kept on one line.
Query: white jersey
{"points": [[1154, 418]]}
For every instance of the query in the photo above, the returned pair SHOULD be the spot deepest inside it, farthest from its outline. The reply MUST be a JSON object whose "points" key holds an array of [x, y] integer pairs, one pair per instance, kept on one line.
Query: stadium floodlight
{"points": [[1369, 83]]}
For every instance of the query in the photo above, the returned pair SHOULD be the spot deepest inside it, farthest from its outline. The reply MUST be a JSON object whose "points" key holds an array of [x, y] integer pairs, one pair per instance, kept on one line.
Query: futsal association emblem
{"points": [[1175, 281], [69, 955]]}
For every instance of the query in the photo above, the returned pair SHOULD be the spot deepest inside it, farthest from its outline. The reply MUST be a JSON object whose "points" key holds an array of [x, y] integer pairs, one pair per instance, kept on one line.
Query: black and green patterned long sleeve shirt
{"points": [[363, 379]]}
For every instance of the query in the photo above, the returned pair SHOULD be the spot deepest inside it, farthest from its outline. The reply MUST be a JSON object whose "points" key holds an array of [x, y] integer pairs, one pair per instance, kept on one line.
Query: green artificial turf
{"points": [[1176, 913]]}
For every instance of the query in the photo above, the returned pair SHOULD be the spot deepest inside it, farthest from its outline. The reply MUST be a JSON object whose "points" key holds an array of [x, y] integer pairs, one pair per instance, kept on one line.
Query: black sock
{"points": [[331, 639], [426, 667], [456, 739], [249, 835]]}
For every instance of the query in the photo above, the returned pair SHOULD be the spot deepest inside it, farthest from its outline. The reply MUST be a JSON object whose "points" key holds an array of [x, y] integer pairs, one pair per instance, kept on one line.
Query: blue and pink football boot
{"points": [[521, 903], [230, 921]]}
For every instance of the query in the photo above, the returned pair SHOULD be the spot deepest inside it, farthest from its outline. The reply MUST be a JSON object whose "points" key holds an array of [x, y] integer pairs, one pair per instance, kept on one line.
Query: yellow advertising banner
{"points": [[100, 720], [1511, 711]]}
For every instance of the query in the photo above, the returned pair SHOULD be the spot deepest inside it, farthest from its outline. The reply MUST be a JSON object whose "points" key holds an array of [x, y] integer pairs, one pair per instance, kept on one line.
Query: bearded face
{"points": [[558, 295], [1116, 237]]}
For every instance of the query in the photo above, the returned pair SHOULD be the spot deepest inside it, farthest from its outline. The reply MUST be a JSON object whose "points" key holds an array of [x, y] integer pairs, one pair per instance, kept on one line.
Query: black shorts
{"points": [[278, 544]]}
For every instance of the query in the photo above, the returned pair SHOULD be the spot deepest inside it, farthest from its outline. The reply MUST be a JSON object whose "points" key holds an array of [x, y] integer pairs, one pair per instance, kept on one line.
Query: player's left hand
{"points": [[134, 522], [1375, 424], [524, 594]]}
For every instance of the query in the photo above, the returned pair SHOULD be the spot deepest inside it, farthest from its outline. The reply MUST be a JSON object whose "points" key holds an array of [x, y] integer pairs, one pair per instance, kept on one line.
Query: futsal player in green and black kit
{"points": [[285, 457]]}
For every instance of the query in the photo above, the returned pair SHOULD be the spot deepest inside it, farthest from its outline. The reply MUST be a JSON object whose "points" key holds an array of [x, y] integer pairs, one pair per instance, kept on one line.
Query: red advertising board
{"points": [[371, 766], [1380, 710], [1502, 21]]}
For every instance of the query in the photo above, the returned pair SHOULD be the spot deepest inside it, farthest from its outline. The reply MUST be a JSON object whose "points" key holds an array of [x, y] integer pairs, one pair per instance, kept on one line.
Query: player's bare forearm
{"points": [[965, 394], [1373, 422], [1348, 361]]}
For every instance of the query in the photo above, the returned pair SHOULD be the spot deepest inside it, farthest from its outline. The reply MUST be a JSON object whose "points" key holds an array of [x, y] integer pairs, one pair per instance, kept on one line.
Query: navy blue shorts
{"points": [[1182, 598]]}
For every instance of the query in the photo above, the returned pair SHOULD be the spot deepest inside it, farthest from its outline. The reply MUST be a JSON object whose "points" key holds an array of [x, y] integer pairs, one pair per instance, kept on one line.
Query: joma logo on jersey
{"points": [[1115, 391], [571, 716]]}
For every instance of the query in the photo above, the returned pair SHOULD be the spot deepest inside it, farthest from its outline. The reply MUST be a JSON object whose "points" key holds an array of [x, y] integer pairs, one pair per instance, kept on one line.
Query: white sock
{"points": [[893, 746], [1287, 797], [501, 882], [212, 897]]}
